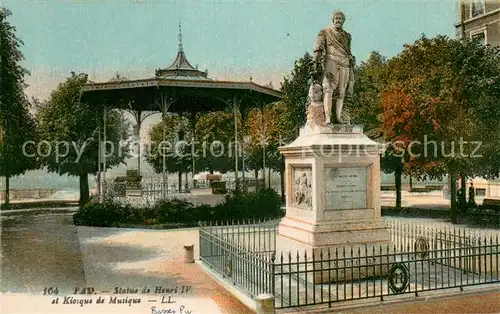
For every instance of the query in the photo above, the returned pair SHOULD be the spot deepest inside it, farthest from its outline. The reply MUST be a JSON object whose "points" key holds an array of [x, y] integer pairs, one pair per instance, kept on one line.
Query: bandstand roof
{"points": [[185, 95], [184, 87]]}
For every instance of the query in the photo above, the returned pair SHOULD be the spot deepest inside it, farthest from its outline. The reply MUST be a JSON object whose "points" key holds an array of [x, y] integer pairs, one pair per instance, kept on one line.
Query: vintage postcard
{"points": [[189, 157]]}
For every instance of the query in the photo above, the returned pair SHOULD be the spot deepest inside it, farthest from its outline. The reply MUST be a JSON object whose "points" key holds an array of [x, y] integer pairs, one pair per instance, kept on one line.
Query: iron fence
{"points": [[356, 273], [420, 259], [242, 253], [156, 189]]}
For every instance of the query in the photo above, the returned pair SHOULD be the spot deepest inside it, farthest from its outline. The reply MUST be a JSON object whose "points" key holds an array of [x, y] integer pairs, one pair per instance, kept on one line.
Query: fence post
{"points": [[265, 304], [189, 254]]}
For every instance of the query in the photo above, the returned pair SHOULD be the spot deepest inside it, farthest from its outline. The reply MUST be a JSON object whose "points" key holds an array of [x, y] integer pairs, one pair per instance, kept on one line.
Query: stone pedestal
{"points": [[333, 201]]}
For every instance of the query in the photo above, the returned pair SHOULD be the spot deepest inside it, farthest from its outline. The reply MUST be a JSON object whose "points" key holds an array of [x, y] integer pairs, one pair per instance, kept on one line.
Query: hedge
{"points": [[263, 204]]}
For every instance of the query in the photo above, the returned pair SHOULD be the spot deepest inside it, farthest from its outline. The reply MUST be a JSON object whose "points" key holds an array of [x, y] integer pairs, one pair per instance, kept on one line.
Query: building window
{"points": [[477, 8], [480, 192], [479, 35]]}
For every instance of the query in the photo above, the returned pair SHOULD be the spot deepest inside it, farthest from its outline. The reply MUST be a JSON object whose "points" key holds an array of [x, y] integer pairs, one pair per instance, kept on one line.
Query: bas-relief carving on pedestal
{"points": [[302, 187]]}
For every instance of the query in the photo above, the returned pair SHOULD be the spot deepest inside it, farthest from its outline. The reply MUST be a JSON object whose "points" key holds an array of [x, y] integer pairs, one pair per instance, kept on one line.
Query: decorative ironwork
{"points": [[229, 266], [399, 278], [458, 259], [422, 247]]}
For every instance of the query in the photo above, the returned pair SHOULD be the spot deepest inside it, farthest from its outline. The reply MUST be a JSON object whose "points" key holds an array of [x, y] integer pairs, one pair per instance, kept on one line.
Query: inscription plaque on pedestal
{"points": [[346, 188]]}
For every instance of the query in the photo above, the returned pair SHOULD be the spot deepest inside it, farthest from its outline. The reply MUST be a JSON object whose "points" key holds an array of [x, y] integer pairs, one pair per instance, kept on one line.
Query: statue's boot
{"points": [[327, 104], [338, 110]]}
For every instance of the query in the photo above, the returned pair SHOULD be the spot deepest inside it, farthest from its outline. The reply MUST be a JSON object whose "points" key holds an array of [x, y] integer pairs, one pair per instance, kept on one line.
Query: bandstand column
{"points": [[263, 142], [236, 103], [165, 105], [103, 150], [138, 133]]}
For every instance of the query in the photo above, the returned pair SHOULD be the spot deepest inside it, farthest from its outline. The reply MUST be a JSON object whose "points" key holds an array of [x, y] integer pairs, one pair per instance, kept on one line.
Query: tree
{"points": [[17, 125], [265, 133], [70, 129], [295, 89], [215, 149], [444, 92], [170, 145], [370, 81], [366, 109]]}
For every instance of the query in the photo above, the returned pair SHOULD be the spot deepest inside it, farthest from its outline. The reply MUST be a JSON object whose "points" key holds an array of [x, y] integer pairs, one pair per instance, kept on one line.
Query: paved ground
{"points": [[475, 303], [149, 258], [38, 250], [44, 249], [41, 249], [466, 303]]}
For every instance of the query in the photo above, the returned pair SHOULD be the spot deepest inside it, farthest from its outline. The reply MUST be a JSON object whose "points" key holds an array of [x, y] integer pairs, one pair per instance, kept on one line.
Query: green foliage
{"points": [[445, 90], [71, 127], [175, 146], [211, 128], [370, 81], [17, 125], [246, 205], [107, 214], [295, 89], [261, 205], [218, 187]]}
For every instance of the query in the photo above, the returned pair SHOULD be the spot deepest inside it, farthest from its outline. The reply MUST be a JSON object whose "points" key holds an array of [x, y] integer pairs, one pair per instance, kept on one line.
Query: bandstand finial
{"points": [[180, 37]]}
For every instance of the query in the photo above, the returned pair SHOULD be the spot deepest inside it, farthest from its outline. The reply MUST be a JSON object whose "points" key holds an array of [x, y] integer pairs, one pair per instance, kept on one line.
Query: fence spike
{"points": [[321, 254], [289, 257], [281, 257]]}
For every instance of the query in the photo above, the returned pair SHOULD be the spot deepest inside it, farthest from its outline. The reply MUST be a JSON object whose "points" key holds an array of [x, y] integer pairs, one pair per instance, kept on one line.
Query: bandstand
{"points": [[179, 88]]}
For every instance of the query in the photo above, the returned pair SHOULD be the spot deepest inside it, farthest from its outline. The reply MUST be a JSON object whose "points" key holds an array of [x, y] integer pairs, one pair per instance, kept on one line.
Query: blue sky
{"points": [[232, 39]]}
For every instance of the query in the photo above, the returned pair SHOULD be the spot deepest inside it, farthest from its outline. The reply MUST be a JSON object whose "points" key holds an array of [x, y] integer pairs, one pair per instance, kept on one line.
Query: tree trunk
{"points": [[398, 173], [180, 180], [257, 185], [411, 182], [463, 191], [269, 176], [84, 188], [453, 195], [282, 181], [7, 192]]}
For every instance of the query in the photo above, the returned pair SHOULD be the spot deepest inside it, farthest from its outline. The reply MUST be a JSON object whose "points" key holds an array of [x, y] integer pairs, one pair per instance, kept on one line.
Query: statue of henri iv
{"points": [[333, 66]]}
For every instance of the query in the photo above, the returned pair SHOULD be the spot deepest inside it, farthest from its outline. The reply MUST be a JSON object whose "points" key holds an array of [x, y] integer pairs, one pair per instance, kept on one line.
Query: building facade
{"points": [[479, 19]]}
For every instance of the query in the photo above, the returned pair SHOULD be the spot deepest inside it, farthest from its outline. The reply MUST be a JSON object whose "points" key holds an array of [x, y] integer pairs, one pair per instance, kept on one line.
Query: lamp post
{"points": [[246, 140]]}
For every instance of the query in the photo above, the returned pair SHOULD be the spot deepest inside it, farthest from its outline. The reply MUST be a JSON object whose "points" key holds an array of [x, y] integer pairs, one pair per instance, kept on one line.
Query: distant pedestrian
{"points": [[472, 194]]}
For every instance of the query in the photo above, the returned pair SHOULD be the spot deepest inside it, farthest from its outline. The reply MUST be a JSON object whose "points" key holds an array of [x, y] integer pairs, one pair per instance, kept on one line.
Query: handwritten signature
{"points": [[182, 310]]}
